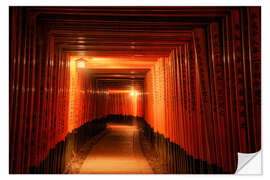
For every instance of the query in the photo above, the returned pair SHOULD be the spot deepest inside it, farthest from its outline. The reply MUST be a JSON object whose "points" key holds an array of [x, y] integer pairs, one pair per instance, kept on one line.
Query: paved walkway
{"points": [[118, 152]]}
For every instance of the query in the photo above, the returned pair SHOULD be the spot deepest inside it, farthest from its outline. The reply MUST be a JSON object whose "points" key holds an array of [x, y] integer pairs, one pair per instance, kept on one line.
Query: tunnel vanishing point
{"points": [[188, 77]]}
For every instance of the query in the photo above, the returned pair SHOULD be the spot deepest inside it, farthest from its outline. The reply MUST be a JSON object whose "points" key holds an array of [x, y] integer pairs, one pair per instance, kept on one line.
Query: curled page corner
{"points": [[249, 163]]}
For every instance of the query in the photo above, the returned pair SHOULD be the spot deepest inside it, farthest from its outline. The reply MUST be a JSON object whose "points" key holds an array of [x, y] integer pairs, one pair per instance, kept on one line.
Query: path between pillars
{"points": [[118, 152]]}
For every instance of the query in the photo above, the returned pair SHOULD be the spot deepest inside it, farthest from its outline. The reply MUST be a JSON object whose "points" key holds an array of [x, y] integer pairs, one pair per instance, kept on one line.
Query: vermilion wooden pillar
{"points": [[203, 95], [216, 72]]}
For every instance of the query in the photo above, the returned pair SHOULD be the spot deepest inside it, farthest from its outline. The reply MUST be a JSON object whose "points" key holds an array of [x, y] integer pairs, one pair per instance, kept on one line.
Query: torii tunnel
{"points": [[133, 90]]}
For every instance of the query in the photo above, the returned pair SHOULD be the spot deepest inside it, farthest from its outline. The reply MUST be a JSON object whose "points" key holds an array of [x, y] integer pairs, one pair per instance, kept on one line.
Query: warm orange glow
{"points": [[116, 63], [72, 93], [75, 90], [125, 101], [118, 91], [81, 64]]}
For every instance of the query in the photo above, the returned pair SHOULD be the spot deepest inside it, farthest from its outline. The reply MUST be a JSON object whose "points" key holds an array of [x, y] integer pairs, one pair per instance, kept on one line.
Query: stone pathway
{"points": [[118, 152], [74, 165]]}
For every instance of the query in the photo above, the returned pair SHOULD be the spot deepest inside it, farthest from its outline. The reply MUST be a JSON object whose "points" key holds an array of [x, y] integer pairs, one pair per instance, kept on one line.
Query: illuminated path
{"points": [[117, 152]]}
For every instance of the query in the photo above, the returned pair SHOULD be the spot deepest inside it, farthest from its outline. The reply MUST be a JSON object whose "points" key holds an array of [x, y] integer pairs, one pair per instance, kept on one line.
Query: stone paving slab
{"points": [[118, 152]]}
